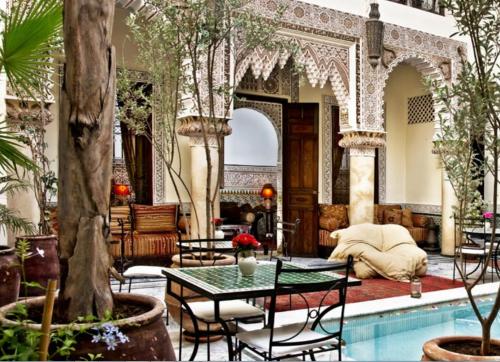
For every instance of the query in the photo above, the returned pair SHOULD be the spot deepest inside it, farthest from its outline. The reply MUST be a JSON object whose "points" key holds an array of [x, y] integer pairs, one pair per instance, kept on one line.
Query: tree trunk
{"points": [[85, 158]]}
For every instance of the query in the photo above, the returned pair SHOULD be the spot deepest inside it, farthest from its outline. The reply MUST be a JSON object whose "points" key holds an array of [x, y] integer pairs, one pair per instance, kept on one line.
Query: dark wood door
{"points": [[300, 175]]}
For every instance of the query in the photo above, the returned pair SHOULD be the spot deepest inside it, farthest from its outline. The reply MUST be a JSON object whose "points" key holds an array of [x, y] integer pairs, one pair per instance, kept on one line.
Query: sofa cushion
{"points": [[328, 223], [379, 212], [155, 219], [421, 221], [406, 218], [337, 211], [393, 216]]}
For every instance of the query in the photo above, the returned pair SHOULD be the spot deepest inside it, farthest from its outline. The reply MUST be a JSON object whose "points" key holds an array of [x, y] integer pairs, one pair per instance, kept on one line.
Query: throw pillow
{"points": [[420, 221], [393, 216], [328, 223], [406, 219], [337, 211], [155, 219]]}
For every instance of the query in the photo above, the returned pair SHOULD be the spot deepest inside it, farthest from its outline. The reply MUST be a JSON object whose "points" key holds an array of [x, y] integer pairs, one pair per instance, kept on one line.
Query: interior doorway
{"points": [[300, 174]]}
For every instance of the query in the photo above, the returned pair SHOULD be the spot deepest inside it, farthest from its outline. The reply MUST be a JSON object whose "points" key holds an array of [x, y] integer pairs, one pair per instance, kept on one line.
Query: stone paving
{"points": [[438, 266]]}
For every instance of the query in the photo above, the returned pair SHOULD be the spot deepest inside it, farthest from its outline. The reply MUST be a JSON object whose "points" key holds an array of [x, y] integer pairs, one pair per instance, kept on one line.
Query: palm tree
{"points": [[31, 32]]}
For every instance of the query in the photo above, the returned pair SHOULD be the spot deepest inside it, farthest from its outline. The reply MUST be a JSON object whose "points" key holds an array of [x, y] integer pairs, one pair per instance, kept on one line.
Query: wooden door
{"points": [[300, 175]]}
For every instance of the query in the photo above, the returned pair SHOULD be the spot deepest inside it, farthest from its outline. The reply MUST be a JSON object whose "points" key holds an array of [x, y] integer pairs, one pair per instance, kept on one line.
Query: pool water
{"points": [[399, 336]]}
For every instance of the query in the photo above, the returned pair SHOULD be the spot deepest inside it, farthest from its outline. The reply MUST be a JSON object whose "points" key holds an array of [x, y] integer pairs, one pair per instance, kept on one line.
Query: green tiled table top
{"points": [[228, 279], [223, 245]]}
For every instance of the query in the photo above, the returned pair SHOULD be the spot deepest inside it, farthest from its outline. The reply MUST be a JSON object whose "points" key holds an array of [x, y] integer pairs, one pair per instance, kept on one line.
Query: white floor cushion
{"points": [[233, 309]]}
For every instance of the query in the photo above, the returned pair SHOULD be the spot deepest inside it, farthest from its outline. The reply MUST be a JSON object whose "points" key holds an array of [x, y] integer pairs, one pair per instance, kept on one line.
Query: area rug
{"points": [[370, 289]]}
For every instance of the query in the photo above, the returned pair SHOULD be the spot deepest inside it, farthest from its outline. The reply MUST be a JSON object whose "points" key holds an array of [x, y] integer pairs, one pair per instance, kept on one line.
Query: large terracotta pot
{"points": [[148, 336], [10, 275], [189, 260], [434, 352], [40, 268]]}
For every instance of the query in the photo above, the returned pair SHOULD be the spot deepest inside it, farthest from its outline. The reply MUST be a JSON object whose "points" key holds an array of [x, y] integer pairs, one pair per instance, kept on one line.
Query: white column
{"points": [[362, 146], [448, 200], [361, 185]]}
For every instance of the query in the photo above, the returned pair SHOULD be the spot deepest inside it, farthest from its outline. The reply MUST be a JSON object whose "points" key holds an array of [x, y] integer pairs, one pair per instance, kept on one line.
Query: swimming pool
{"points": [[399, 336]]}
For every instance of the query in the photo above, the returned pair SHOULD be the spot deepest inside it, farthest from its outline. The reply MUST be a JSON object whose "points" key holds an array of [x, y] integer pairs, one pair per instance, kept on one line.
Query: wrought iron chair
{"points": [[314, 335], [289, 229], [204, 311], [470, 243]]}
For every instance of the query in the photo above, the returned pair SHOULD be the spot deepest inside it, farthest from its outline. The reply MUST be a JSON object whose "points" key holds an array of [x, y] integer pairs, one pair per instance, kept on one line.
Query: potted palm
{"points": [[468, 147]]}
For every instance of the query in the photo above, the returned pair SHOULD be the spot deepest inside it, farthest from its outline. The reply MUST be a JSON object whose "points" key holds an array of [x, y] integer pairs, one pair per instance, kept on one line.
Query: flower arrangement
{"points": [[245, 242], [217, 221], [488, 215]]}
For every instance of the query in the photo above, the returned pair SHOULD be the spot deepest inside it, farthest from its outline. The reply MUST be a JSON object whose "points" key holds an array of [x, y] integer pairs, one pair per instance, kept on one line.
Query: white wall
{"points": [[413, 175], [253, 140]]}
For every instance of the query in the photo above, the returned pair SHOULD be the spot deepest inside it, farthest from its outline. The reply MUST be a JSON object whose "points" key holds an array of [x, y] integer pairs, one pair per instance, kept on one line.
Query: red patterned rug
{"points": [[370, 289]]}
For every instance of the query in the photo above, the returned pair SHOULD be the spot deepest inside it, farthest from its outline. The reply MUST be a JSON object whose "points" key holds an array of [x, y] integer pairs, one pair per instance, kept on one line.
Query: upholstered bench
{"points": [[151, 232]]}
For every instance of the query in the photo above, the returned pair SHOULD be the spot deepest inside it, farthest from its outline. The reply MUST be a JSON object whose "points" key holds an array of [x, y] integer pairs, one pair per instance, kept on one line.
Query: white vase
{"points": [[247, 265], [218, 234]]}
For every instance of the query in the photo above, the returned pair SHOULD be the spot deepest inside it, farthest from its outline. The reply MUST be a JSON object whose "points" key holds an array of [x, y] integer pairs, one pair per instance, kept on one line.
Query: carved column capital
{"points": [[362, 143], [194, 127], [32, 113]]}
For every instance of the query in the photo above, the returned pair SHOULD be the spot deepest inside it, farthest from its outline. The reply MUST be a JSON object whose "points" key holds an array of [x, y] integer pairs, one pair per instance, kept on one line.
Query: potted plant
{"points": [[468, 147], [86, 122], [245, 245], [191, 100]]}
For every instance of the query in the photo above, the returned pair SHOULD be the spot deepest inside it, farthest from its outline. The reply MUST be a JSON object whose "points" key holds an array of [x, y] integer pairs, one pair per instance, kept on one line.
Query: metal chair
{"points": [[291, 229], [470, 244], [311, 336], [203, 311]]}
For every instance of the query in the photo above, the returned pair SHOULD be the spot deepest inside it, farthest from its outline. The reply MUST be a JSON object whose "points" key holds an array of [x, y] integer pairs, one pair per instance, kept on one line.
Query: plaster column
{"points": [[192, 128], [448, 200], [361, 146]]}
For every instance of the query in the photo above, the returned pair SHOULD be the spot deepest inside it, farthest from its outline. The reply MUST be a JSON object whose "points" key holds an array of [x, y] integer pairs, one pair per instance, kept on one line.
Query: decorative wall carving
{"points": [[248, 178], [326, 134], [322, 61]]}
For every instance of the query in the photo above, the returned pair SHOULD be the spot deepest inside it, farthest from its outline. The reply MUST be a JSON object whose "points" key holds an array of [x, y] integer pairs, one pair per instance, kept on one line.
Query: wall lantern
{"points": [[121, 190], [268, 193], [374, 34]]}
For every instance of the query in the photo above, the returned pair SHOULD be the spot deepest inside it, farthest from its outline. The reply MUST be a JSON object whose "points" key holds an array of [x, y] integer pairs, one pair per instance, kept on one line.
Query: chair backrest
{"points": [[199, 249], [295, 280], [291, 229], [470, 232]]}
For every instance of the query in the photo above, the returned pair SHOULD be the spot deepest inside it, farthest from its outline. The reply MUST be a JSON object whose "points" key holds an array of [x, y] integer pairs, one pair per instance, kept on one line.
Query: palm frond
{"points": [[10, 220], [10, 155], [31, 33], [10, 185]]}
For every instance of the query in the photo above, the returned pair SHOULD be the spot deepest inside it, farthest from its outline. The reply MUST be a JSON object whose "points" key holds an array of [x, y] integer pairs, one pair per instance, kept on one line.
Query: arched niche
{"points": [[253, 141]]}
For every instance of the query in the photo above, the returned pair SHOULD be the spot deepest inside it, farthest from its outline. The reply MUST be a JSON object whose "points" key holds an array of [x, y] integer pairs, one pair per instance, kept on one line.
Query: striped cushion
{"points": [[119, 212], [418, 234], [326, 240], [148, 245], [153, 245], [155, 219]]}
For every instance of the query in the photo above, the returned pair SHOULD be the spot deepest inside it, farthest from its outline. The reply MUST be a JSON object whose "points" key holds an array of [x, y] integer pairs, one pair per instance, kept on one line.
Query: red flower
{"points": [[217, 221], [245, 242]]}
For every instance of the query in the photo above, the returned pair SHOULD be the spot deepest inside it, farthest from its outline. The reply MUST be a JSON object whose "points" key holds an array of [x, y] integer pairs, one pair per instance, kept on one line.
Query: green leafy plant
{"points": [[468, 141], [10, 219]]}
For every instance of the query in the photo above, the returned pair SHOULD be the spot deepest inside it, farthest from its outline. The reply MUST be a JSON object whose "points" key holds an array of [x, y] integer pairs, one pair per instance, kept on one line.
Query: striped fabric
{"points": [[418, 234], [155, 219], [123, 213], [148, 245], [326, 240]]}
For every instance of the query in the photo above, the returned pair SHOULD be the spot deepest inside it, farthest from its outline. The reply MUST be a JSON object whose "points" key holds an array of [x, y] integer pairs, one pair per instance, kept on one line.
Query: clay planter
{"points": [[40, 269], [149, 339], [10, 275], [189, 260], [434, 352]]}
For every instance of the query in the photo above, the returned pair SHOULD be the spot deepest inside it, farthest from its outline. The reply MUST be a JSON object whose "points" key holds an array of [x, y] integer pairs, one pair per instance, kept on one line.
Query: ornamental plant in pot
{"points": [[245, 245], [85, 168], [190, 100], [468, 146]]}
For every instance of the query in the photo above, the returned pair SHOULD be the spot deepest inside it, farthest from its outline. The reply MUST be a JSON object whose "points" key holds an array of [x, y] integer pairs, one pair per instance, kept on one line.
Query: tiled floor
{"points": [[438, 266]]}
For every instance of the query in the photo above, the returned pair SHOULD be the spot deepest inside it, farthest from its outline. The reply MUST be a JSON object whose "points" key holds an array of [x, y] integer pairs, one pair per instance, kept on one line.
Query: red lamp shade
{"points": [[268, 191], [121, 190]]}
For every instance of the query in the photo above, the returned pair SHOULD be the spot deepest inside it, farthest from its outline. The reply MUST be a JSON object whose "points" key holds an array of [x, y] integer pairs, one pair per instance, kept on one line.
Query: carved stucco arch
{"points": [[428, 69], [318, 59], [424, 65]]}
